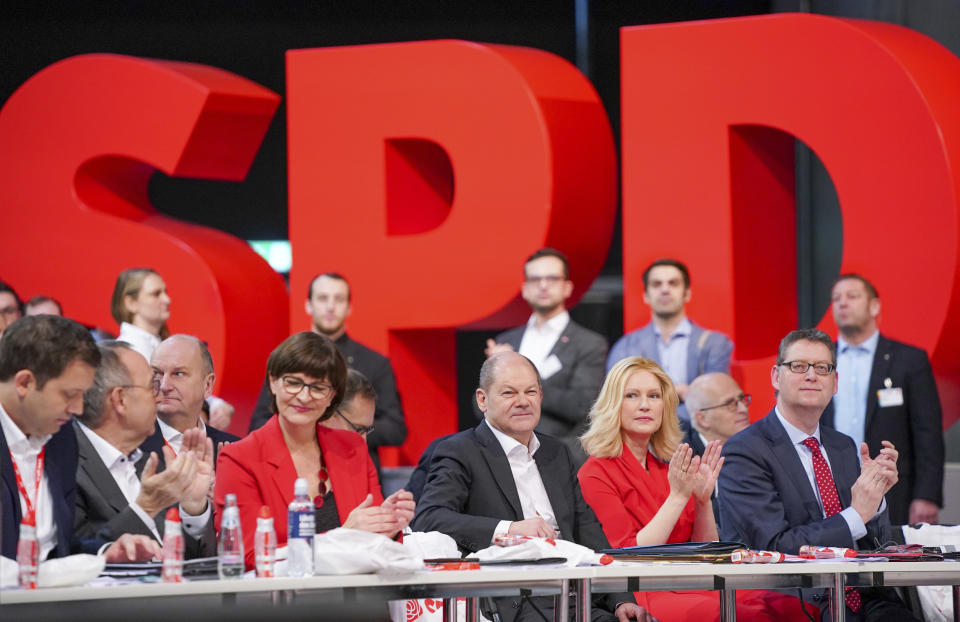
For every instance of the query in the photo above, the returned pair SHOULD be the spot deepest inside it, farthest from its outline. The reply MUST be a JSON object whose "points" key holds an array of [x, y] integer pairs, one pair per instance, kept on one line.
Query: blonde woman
{"points": [[648, 488]]}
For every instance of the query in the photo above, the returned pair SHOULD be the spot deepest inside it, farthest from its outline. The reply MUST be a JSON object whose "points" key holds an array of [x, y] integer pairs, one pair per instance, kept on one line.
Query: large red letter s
{"points": [[80, 141], [426, 173], [710, 110]]}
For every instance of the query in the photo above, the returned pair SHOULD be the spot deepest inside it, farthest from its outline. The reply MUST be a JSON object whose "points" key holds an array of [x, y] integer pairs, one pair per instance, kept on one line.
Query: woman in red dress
{"points": [[648, 488]]}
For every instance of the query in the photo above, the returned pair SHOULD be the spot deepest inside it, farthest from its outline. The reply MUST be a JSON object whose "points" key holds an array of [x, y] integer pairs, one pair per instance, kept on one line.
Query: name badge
{"points": [[550, 366], [890, 397]]}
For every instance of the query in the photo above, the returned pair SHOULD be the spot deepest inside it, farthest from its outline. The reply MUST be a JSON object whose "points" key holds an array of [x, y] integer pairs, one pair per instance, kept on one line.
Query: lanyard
{"points": [[23, 489], [170, 447]]}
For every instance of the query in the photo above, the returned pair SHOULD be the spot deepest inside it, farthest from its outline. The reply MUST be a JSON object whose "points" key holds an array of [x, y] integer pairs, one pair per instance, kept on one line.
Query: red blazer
{"points": [[259, 470]]}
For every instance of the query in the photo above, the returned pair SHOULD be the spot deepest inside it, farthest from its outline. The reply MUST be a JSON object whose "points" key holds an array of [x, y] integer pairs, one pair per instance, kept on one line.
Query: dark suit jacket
{"points": [[60, 468], [470, 489], [103, 513], [767, 502], [569, 393], [915, 427], [154, 444]]}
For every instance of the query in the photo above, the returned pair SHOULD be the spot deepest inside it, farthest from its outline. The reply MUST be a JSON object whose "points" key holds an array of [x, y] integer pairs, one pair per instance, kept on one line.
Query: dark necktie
{"points": [[830, 500]]}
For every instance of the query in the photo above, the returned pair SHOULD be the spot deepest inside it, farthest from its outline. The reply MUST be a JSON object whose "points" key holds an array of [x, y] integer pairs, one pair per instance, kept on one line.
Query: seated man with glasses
{"points": [[787, 481], [358, 406], [568, 357], [117, 492], [718, 409]]}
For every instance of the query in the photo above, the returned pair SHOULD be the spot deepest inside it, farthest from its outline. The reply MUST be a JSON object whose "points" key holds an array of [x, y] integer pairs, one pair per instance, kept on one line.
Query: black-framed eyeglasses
{"points": [[362, 430], [821, 368], [293, 386], [732, 403], [154, 386]]}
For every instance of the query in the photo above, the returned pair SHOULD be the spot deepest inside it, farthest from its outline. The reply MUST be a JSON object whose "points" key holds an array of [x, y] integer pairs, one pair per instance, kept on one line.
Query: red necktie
{"points": [[830, 500]]}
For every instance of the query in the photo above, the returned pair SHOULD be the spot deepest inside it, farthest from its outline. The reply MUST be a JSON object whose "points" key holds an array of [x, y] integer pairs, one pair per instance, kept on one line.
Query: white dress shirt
{"points": [[538, 341], [673, 353], [140, 340], [534, 501], [797, 436], [173, 436], [24, 451]]}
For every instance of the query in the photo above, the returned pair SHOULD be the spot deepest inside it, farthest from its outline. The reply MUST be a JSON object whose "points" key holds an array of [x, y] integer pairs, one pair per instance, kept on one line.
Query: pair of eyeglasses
{"points": [[732, 403], [549, 279], [821, 368], [153, 387], [293, 386], [362, 430]]}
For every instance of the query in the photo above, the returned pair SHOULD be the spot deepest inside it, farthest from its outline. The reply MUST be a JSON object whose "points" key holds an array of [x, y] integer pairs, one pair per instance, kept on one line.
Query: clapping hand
{"points": [[684, 472], [402, 505], [706, 479]]}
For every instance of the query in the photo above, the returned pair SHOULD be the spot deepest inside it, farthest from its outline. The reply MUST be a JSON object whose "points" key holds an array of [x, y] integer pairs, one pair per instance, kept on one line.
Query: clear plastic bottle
{"points": [[172, 555], [265, 543], [230, 548], [300, 530], [28, 554]]}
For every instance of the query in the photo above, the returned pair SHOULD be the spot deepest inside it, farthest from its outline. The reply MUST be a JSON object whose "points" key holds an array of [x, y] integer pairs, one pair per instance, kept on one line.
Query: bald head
{"points": [[492, 365], [717, 406], [185, 370]]}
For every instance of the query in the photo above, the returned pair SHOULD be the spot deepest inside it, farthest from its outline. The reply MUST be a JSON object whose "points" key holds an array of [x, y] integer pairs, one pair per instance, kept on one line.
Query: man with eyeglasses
{"points": [[117, 493], [718, 409], [357, 408], [568, 356], [787, 481], [887, 391], [184, 367]]}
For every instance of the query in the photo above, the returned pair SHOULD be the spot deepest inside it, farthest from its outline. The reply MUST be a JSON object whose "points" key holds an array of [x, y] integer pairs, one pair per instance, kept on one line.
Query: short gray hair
{"points": [[488, 372], [806, 334], [111, 373]]}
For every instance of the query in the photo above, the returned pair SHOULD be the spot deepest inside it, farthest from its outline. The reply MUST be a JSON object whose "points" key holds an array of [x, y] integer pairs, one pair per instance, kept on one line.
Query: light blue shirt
{"points": [[854, 364], [797, 436], [673, 353]]}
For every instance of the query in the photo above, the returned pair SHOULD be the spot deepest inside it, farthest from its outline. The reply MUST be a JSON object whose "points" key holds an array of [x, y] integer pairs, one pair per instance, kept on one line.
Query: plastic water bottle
{"points": [[172, 556], [28, 554], [230, 549], [265, 543], [300, 530]]}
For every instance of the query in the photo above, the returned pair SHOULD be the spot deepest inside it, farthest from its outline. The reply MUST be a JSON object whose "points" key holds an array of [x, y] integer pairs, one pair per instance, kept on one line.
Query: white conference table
{"points": [[499, 581]]}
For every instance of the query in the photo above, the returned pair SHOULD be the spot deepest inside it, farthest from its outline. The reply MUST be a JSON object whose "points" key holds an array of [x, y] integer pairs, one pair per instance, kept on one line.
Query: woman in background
{"points": [[647, 488], [141, 306]]}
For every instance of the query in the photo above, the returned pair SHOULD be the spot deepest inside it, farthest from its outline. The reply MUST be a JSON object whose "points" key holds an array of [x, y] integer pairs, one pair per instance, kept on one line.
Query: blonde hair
{"points": [[129, 284], [603, 438]]}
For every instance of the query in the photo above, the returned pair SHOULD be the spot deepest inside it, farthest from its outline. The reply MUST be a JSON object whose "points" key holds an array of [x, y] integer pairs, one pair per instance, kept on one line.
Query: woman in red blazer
{"points": [[307, 376], [647, 488]]}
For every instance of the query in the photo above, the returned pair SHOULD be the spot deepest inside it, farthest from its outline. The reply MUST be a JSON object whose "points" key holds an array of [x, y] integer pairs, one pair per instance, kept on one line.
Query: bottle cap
{"points": [[173, 514], [265, 512], [300, 486], [231, 499]]}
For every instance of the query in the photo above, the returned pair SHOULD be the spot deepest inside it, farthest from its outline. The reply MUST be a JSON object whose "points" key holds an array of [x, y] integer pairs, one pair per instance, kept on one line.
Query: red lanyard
{"points": [[170, 447], [23, 489]]}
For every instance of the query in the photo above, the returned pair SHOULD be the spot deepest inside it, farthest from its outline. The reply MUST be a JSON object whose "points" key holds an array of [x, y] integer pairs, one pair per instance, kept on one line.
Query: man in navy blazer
{"points": [[568, 356], [683, 349], [46, 363], [770, 497], [887, 392]]}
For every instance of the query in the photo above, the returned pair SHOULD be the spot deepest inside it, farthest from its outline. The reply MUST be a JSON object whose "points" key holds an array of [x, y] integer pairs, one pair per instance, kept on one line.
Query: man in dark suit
{"points": [[502, 478], [787, 481], [568, 356], [184, 367], [46, 363], [683, 349], [113, 496], [887, 391]]}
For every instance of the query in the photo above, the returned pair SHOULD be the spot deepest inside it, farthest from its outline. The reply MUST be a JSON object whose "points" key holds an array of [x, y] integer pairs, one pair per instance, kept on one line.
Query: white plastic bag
{"points": [[351, 551], [545, 547], [937, 600]]}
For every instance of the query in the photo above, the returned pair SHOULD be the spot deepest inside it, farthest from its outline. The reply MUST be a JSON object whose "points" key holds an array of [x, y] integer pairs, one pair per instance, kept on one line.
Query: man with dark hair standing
{"points": [[683, 349], [113, 496], [11, 307], [887, 391], [787, 481], [568, 357], [329, 304], [46, 363], [503, 478], [184, 367]]}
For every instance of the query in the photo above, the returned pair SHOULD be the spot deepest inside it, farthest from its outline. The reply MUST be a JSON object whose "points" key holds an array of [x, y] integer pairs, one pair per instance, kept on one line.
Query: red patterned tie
{"points": [[831, 502]]}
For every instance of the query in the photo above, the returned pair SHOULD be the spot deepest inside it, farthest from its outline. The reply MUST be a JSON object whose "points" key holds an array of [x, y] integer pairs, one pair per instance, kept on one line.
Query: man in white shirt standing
{"points": [[46, 363], [113, 495], [568, 357]]}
